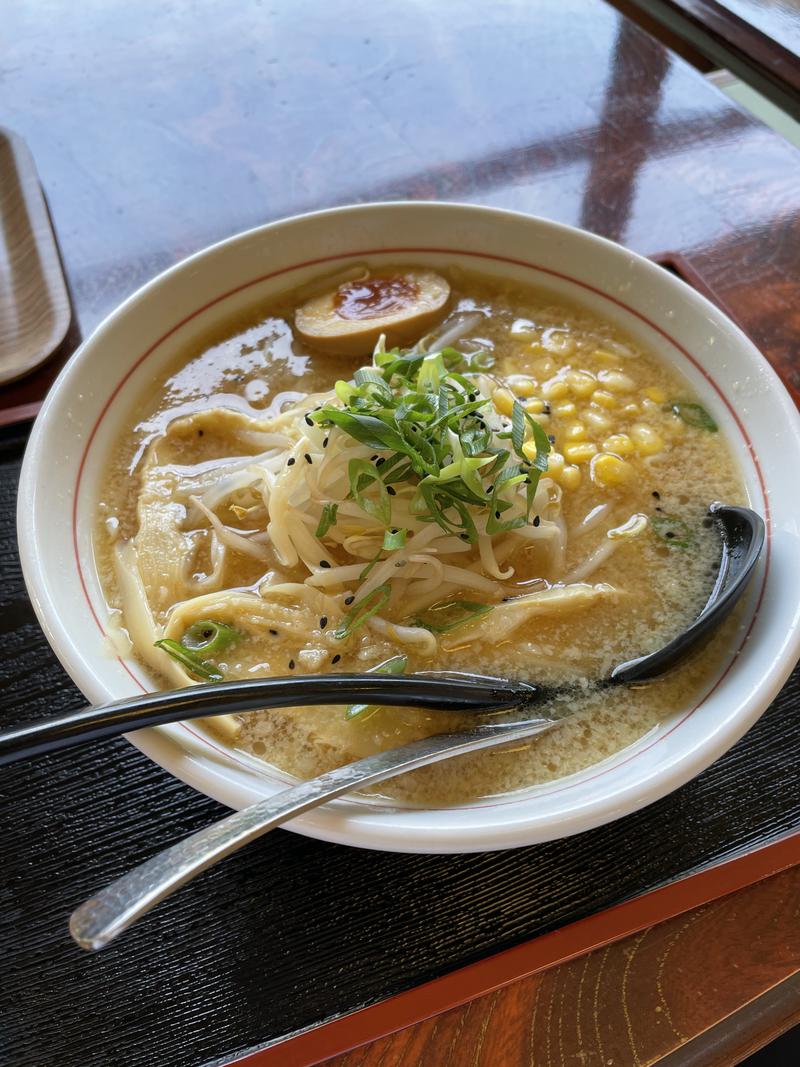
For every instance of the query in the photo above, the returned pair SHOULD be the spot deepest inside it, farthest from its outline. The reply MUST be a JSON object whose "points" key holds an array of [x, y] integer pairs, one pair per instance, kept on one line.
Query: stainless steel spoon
{"points": [[114, 909]]}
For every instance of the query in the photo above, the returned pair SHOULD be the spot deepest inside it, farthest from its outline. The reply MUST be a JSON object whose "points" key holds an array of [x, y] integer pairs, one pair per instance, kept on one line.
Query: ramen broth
{"points": [[619, 521]]}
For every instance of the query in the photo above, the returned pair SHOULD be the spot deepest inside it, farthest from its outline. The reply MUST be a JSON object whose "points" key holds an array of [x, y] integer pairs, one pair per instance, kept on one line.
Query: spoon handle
{"points": [[444, 691], [104, 916]]}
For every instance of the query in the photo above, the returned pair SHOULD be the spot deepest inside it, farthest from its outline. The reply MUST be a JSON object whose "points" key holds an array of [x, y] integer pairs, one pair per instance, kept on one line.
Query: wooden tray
{"points": [[35, 311]]}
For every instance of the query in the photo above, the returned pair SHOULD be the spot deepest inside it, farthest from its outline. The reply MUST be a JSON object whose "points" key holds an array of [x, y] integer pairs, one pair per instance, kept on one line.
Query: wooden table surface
{"points": [[157, 130]]}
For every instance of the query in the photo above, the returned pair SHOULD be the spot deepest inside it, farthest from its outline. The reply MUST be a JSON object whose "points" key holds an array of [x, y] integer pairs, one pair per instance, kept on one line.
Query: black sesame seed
{"points": [[323, 622], [390, 489], [325, 442], [200, 433], [536, 521], [274, 633], [659, 509], [349, 600], [336, 658], [551, 437], [380, 462], [309, 420], [307, 458], [656, 495], [324, 563], [497, 514], [290, 462], [546, 409], [291, 664], [669, 534], [372, 459], [489, 488], [464, 537]]}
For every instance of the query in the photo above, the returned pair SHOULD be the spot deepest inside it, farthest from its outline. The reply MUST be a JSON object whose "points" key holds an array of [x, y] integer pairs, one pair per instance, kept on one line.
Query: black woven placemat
{"points": [[292, 931]]}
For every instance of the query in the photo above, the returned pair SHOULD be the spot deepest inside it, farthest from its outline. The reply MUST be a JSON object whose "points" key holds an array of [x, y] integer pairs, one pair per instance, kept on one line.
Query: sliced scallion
{"points": [[191, 661], [327, 519], [395, 665], [692, 414], [672, 530], [449, 615], [362, 610]]}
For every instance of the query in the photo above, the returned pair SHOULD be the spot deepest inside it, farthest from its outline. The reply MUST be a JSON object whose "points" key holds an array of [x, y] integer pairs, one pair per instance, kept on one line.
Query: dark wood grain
{"points": [[632, 1003], [158, 129]]}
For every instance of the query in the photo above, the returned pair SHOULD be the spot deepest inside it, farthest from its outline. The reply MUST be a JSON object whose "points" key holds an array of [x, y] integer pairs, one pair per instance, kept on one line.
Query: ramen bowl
{"points": [[87, 406]]}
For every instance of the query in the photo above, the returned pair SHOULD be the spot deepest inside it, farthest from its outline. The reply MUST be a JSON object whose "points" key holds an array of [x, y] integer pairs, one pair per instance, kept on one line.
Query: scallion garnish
{"points": [[326, 519], [394, 539], [193, 663], [395, 665], [362, 610], [363, 477], [209, 637], [692, 414], [672, 531], [449, 615]]}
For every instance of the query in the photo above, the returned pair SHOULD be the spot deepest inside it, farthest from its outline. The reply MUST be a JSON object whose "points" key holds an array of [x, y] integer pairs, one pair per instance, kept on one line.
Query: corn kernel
{"points": [[570, 478], [658, 396], [503, 400], [555, 461], [580, 451], [603, 356], [604, 399], [616, 381], [576, 431], [632, 408], [522, 385], [555, 389], [674, 426], [647, 441], [534, 406], [598, 422], [619, 443], [565, 409], [543, 368], [559, 342], [580, 382], [608, 470]]}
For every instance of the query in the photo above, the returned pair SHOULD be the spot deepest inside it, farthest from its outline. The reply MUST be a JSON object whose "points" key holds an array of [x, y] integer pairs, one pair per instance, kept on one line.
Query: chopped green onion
{"points": [[363, 475], [363, 610], [395, 665], [692, 414], [393, 539], [431, 373], [327, 519], [368, 429], [672, 531], [451, 614], [197, 667], [209, 637]]}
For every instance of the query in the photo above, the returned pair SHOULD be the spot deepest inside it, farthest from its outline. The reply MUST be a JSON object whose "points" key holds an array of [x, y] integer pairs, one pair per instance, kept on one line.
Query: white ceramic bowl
{"points": [[80, 420]]}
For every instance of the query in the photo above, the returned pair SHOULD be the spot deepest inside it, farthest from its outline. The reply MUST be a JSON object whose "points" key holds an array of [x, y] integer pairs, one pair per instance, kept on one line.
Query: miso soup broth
{"points": [[412, 470]]}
